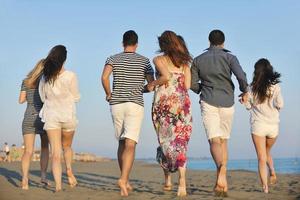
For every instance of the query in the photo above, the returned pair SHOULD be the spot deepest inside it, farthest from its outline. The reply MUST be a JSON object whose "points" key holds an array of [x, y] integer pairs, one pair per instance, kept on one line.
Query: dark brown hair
{"points": [[263, 77], [216, 37], [174, 47], [130, 38], [54, 62]]}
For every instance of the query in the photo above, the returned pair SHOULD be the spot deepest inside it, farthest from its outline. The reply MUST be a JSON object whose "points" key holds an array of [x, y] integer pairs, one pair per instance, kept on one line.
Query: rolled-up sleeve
{"points": [[239, 73], [195, 85]]}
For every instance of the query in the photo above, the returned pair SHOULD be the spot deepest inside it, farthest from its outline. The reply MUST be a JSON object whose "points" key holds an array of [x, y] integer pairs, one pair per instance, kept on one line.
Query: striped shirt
{"points": [[129, 73]]}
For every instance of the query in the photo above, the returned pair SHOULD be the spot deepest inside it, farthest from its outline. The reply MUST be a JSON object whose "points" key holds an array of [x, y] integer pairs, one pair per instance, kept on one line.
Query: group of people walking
{"points": [[51, 92]]}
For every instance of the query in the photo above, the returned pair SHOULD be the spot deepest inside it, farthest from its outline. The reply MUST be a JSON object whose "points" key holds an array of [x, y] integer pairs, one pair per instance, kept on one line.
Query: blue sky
{"points": [[92, 31]]}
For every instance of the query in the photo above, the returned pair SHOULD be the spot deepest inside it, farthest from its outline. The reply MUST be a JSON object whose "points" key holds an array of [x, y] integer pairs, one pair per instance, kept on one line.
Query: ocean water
{"points": [[282, 165]]}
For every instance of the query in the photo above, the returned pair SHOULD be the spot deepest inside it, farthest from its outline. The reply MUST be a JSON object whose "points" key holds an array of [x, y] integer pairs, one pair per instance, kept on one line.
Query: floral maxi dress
{"points": [[172, 120]]}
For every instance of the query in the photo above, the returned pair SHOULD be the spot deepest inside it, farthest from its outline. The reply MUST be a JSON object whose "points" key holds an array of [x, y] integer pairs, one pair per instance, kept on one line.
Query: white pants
{"points": [[127, 119]]}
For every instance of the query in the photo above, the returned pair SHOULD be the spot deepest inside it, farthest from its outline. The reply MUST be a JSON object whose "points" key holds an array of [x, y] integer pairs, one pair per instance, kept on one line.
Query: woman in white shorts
{"points": [[59, 91], [264, 103]]}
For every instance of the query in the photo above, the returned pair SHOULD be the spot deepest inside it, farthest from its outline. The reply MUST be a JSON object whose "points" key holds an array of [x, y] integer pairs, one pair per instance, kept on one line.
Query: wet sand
{"points": [[97, 180]]}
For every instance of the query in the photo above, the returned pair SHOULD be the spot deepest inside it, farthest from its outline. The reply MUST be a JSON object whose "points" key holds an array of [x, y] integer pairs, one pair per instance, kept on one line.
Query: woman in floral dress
{"points": [[171, 111]]}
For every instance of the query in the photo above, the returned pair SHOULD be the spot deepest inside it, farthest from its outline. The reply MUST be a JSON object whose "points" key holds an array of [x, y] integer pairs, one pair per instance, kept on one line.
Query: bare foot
{"points": [[129, 187], [222, 180], [167, 187], [221, 187], [181, 191], [57, 188], [71, 178], [168, 183], [45, 182], [273, 179], [24, 184], [123, 187], [265, 189]]}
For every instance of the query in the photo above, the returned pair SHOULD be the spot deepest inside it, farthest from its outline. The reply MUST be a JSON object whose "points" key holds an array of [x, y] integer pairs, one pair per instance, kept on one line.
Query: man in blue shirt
{"points": [[213, 69]]}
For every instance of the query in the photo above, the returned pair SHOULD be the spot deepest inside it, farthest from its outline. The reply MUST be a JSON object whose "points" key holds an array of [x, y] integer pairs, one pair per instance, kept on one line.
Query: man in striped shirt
{"points": [[129, 71]]}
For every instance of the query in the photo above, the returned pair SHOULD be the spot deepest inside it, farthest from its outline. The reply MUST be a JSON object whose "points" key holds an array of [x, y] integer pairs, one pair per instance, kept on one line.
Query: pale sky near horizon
{"points": [[92, 31]]}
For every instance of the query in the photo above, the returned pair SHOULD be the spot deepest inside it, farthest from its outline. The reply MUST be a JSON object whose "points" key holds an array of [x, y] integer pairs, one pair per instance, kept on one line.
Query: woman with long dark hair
{"points": [[33, 125], [264, 104], [59, 91], [171, 111]]}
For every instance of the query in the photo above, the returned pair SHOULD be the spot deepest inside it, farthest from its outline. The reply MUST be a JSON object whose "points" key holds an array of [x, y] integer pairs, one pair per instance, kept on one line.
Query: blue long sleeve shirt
{"points": [[211, 76]]}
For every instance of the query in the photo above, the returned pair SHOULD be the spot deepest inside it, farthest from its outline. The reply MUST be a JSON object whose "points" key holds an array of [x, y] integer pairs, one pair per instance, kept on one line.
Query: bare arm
{"points": [[163, 71], [22, 97], [105, 80], [187, 77]]}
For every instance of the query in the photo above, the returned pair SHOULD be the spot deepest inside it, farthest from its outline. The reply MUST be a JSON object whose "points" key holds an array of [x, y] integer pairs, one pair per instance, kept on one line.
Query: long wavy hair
{"points": [[175, 48], [264, 76], [54, 62], [34, 75]]}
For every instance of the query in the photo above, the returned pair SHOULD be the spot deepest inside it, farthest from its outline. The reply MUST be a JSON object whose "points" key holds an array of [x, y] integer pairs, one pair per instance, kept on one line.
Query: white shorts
{"points": [[217, 121], [64, 126], [265, 130], [127, 119]]}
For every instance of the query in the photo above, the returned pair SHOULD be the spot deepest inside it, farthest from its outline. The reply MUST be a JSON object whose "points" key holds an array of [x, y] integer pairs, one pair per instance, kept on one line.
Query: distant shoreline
{"points": [[282, 165]]}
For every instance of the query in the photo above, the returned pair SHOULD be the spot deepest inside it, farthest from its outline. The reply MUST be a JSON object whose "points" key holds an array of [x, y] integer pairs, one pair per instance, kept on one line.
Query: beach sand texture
{"points": [[97, 180]]}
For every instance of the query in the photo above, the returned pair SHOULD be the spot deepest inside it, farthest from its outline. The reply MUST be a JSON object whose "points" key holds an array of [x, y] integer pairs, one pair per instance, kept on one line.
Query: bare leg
{"points": [[121, 148], [127, 162], [67, 139], [44, 158], [260, 146], [54, 137], [225, 159], [217, 154], [26, 158], [182, 183], [269, 144], [168, 182]]}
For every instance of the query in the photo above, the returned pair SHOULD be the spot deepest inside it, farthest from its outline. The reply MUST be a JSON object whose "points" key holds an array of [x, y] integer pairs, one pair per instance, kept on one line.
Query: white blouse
{"points": [[268, 111], [59, 98]]}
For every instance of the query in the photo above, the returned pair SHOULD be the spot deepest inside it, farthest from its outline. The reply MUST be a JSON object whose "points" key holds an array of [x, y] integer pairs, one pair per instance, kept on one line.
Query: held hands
{"points": [[150, 87], [244, 97]]}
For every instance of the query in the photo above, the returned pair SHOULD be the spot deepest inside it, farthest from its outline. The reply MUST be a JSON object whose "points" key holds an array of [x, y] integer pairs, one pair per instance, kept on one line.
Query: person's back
{"points": [[59, 97], [34, 102], [171, 107], [176, 81], [129, 69], [264, 102], [267, 111], [216, 66], [214, 69]]}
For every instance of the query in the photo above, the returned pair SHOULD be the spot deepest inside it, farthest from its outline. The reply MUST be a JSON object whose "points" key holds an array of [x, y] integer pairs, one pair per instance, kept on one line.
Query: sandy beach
{"points": [[97, 181]]}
